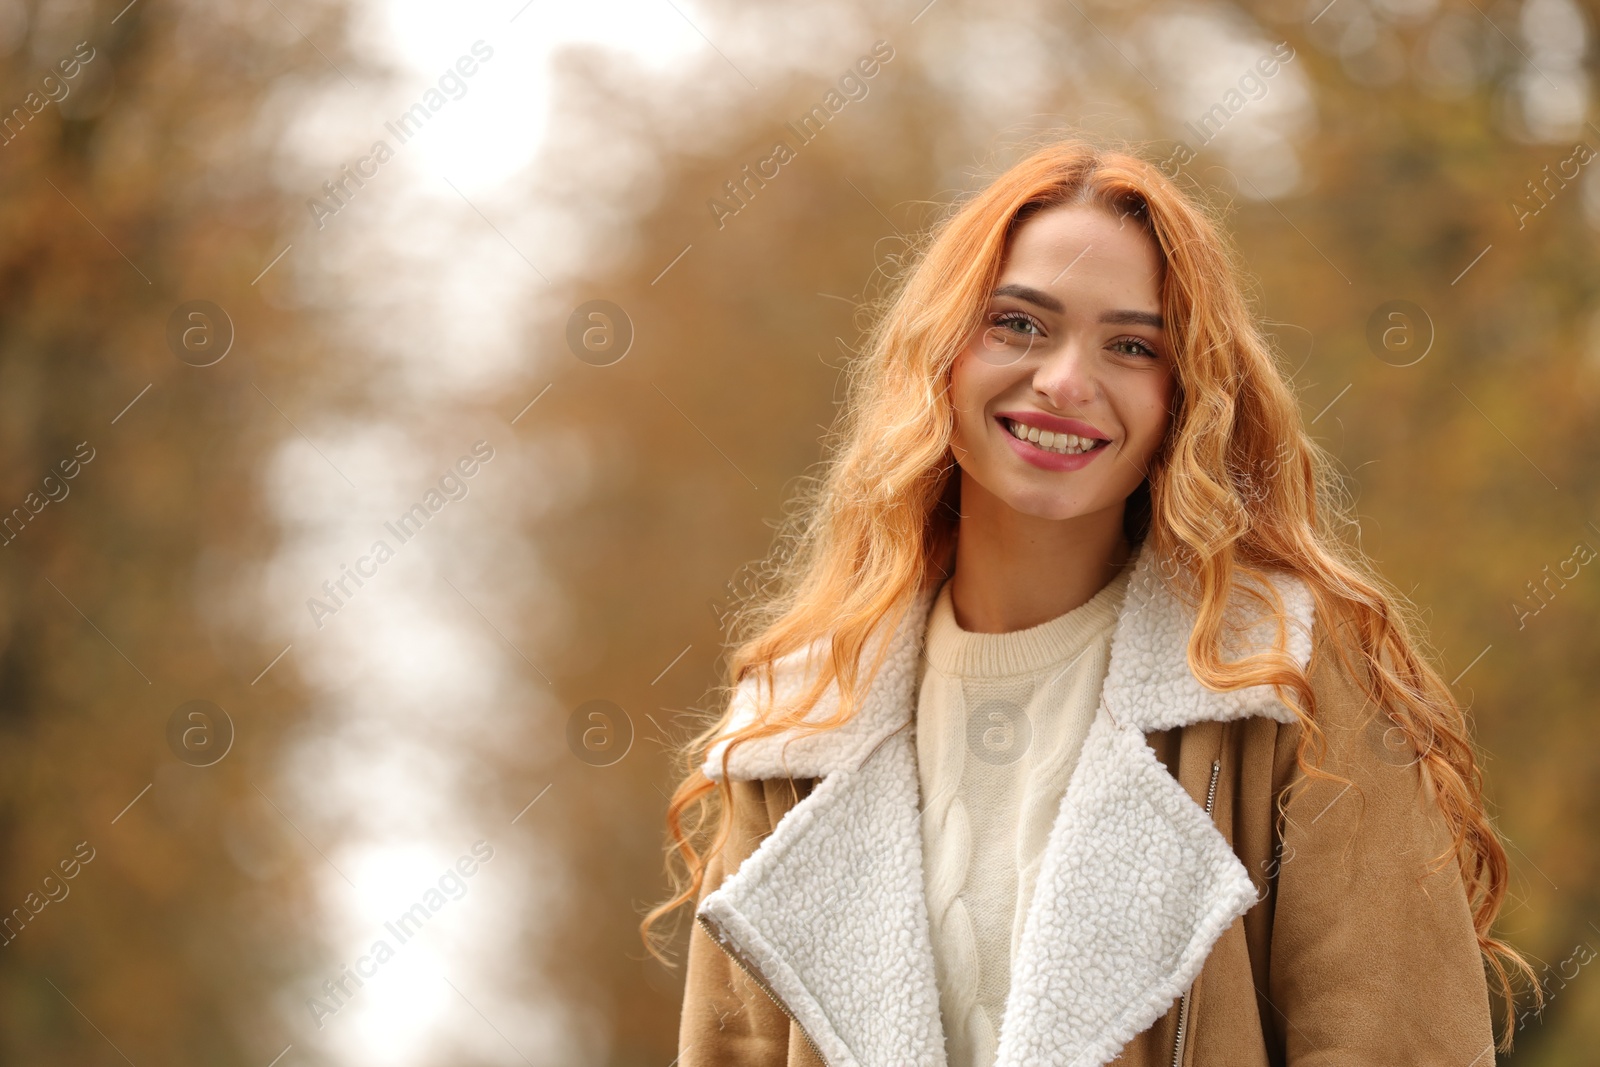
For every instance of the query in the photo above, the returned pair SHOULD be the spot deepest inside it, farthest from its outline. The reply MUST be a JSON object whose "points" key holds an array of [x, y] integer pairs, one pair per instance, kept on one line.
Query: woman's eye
{"points": [[1018, 323], [1140, 348]]}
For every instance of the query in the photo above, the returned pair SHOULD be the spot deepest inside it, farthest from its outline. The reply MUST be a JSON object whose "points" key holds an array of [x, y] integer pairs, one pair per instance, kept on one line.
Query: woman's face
{"points": [[1071, 347]]}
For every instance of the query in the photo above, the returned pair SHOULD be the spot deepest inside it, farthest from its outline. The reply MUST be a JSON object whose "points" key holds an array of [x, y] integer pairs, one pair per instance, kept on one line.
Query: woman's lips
{"points": [[1045, 459], [1053, 423]]}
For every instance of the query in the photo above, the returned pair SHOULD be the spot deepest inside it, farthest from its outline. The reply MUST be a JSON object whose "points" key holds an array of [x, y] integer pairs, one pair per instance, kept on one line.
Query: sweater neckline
{"points": [[954, 651]]}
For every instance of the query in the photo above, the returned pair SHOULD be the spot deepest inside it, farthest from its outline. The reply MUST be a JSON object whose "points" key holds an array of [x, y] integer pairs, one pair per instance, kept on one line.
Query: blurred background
{"points": [[392, 394]]}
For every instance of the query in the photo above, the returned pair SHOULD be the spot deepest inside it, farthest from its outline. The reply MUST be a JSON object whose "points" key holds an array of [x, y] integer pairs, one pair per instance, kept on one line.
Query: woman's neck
{"points": [[1013, 570]]}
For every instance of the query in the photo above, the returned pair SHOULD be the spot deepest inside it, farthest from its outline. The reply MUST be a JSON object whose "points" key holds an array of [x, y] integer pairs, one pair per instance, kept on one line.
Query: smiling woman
{"points": [[1074, 325], [1042, 681]]}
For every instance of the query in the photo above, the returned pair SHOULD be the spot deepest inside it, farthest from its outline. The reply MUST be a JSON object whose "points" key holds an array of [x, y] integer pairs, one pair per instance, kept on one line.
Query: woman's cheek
{"points": [[1154, 418], [966, 397]]}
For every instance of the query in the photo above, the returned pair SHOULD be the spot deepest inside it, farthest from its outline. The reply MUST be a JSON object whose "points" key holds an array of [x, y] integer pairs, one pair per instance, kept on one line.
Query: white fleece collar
{"points": [[1134, 887], [1148, 684]]}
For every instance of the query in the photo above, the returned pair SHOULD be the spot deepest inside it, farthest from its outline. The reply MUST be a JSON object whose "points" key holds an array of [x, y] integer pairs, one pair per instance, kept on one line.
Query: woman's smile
{"points": [[1054, 451]]}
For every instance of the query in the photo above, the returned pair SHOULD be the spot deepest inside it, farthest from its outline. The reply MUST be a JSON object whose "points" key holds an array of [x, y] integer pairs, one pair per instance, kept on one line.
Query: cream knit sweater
{"points": [[1000, 721]]}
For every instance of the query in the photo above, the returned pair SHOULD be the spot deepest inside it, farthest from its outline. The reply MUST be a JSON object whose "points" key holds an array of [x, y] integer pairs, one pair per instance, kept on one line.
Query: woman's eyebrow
{"points": [[1133, 318], [1032, 296], [1123, 317]]}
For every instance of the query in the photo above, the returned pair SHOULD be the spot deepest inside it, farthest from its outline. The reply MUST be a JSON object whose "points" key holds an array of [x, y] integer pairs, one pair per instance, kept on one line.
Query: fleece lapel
{"points": [[1135, 885], [829, 910], [1136, 882]]}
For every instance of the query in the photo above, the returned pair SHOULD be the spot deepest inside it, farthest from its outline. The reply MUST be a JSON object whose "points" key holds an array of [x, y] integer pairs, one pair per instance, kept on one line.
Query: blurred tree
{"points": [[134, 184]]}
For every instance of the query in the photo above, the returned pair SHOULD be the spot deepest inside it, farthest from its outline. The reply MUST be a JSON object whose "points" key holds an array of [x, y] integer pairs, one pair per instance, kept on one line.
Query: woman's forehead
{"points": [[1083, 250]]}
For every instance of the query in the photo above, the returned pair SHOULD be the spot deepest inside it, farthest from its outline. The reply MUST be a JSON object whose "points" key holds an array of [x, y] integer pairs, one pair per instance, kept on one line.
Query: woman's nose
{"points": [[1067, 377]]}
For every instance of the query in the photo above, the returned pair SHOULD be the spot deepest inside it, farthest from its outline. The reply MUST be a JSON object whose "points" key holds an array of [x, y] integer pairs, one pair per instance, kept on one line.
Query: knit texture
{"points": [[1000, 721]]}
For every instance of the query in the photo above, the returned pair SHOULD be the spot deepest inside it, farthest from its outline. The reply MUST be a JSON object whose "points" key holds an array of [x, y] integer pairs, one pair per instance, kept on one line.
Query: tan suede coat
{"points": [[1350, 955]]}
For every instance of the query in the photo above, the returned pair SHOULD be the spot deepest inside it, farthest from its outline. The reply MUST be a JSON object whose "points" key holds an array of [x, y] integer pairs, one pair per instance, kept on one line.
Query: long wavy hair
{"points": [[1236, 489]]}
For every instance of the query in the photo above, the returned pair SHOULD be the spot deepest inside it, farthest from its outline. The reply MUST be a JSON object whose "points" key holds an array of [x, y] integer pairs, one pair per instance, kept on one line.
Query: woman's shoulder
{"points": [[1361, 740], [1340, 674]]}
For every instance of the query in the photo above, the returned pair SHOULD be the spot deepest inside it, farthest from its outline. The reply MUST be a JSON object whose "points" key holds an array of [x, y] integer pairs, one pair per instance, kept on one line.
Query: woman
{"points": [[1069, 731]]}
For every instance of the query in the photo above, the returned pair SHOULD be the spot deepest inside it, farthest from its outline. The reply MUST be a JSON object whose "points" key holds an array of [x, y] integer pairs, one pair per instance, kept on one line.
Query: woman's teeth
{"points": [[1065, 444]]}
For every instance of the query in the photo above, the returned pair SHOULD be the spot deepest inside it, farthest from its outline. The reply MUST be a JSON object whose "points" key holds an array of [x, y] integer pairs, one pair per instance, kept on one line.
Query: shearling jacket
{"points": [[1171, 923]]}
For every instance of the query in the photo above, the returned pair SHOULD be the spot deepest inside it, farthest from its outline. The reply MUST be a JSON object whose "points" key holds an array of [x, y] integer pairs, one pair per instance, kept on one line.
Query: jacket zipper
{"points": [[756, 976], [1183, 1005]]}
